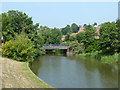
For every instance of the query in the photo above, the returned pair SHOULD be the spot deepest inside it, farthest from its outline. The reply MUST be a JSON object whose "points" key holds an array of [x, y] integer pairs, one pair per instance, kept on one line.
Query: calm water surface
{"points": [[75, 72]]}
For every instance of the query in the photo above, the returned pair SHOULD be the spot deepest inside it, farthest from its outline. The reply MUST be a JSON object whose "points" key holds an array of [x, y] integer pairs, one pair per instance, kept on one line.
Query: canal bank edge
{"points": [[18, 75], [37, 76]]}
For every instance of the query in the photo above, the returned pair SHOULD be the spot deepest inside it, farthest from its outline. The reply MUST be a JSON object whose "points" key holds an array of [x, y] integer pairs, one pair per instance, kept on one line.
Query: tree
{"points": [[67, 37], [46, 34], [118, 36], [95, 23], [77, 48], [74, 28], [85, 25], [93, 46], [86, 37], [72, 38], [109, 38], [56, 36], [50, 35], [44, 28], [66, 30], [15, 22], [81, 37]]}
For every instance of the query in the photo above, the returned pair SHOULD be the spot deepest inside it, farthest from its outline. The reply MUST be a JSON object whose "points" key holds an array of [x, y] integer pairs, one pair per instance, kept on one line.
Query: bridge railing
{"points": [[55, 45]]}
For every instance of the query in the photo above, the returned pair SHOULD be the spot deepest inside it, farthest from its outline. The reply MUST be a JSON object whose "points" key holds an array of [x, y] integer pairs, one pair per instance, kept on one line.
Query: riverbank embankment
{"points": [[18, 75]]}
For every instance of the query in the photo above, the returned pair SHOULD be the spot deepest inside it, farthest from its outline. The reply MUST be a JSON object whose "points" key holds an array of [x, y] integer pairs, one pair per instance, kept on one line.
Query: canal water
{"points": [[75, 72]]}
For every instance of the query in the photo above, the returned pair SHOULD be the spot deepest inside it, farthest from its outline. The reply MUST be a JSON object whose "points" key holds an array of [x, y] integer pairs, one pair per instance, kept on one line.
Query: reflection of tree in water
{"points": [[108, 73], [36, 64], [92, 72]]}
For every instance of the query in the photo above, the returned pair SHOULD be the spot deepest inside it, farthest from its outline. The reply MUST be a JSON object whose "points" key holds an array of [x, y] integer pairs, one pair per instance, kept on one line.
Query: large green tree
{"points": [[50, 35], [118, 30], [66, 30], [86, 37], [56, 36], [109, 38], [15, 22], [74, 28], [77, 48], [67, 37]]}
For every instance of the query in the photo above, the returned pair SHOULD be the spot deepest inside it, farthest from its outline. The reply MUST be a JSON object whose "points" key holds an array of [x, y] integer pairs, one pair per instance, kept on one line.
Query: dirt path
{"points": [[18, 75]]}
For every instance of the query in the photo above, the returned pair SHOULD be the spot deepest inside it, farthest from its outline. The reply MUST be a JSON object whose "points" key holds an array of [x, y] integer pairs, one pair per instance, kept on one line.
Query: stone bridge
{"points": [[60, 46]]}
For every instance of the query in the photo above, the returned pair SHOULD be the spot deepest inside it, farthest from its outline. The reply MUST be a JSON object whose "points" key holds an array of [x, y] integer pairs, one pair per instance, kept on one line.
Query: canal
{"points": [[75, 72]]}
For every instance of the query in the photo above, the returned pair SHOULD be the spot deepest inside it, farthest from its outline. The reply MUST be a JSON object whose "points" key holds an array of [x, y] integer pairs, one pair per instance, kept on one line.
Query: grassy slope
{"points": [[18, 75]]}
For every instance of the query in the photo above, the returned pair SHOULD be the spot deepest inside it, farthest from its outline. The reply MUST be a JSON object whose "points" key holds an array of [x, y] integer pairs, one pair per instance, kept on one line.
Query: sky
{"points": [[60, 14]]}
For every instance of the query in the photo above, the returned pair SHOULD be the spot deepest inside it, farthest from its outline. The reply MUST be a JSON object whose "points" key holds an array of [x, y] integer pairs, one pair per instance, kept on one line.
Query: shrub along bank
{"points": [[115, 58]]}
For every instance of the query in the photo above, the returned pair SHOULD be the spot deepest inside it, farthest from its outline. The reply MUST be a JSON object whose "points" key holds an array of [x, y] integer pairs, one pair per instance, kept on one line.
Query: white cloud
{"points": [[59, 0]]}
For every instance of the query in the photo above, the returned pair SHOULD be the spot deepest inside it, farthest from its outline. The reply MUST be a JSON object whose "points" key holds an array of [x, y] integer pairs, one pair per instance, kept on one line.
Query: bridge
{"points": [[57, 46], [60, 46]]}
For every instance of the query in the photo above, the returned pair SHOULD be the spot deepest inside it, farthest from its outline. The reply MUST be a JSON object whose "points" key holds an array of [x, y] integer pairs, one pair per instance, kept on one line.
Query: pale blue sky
{"points": [[59, 14]]}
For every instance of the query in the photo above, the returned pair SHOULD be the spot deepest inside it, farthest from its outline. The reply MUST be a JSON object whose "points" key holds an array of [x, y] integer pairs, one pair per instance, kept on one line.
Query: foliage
{"points": [[118, 37], [21, 48], [111, 58], [85, 25], [56, 36], [74, 28], [67, 37], [95, 23], [77, 47], [66, 43], [15, 22], [66, 30], [86, 37], [50, 35], [81, 37], [72, 38], [94, 46], [46, 35], [109, 38]]}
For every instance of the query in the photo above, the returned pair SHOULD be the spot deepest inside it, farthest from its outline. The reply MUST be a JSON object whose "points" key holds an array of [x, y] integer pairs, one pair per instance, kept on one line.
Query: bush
{"points": [[111, 58], [94, 46], [103, 58], [39, 51], [21, 48], [77, 48]]}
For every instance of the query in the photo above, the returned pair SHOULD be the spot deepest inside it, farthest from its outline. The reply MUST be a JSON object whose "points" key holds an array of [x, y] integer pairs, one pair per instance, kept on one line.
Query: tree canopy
{"points": [[75, 28], [109, 38], [14, 22], [66, 30]]}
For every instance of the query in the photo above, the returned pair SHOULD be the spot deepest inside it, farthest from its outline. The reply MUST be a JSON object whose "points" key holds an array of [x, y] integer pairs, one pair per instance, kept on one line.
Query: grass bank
{"points": [[103, 58], [18, 75]]}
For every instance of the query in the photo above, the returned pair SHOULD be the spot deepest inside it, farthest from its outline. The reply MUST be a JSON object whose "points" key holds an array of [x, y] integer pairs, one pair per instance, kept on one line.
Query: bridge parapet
{"points": [[60, 46], [56, 45]]}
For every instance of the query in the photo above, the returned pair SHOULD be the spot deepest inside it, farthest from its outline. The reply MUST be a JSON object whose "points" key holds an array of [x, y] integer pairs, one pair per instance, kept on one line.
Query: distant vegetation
{"points": [[23, 41]]}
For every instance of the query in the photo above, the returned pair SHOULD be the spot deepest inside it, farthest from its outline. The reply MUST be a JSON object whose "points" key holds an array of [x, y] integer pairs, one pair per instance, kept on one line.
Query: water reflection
{"points": [[75, 72]]}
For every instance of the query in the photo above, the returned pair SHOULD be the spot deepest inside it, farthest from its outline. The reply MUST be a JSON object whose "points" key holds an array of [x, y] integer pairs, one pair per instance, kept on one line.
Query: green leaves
{"points": [[74, 28], [50, 35], [16, 22], [109, 37], [77, 48], [66, 30], [21, 48]]}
